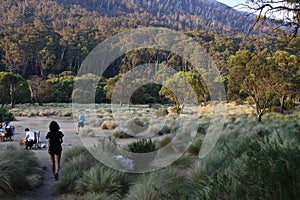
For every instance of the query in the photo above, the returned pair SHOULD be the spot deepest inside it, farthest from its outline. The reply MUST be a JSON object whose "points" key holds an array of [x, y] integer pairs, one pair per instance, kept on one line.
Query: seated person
{"points": [[29, 139], [2, 133], [8, 131]]}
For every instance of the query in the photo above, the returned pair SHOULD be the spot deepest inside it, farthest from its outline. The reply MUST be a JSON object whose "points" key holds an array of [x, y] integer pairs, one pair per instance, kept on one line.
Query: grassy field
{"points": [[249, 161]]}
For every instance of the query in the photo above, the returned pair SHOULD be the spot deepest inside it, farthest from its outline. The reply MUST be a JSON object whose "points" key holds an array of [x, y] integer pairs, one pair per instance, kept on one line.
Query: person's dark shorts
{"points": [[52, 153], [55, 150], [30, 143], [80, 124]]}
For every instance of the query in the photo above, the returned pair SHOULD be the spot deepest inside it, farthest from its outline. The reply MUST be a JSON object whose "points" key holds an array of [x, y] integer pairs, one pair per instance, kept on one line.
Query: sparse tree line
{"points": [[40, 57], [264, 78]]}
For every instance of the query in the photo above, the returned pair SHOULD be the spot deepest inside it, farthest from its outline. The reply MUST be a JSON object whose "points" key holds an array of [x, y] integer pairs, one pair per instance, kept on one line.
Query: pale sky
{"points": [[232, 2]]}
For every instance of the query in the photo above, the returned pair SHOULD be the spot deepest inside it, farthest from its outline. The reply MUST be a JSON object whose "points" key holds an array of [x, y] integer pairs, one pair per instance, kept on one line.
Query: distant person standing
{"points": [[80, 122], [55, 139]]}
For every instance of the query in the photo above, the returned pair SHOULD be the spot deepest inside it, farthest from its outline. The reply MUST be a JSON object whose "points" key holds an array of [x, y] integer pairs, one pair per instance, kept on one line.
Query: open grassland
{"points": [[249, 161]]}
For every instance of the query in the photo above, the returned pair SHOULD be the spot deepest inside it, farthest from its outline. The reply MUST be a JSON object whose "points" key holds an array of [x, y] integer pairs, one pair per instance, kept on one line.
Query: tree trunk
{"points": [[282, 98], [259, 117], [12, 97]]}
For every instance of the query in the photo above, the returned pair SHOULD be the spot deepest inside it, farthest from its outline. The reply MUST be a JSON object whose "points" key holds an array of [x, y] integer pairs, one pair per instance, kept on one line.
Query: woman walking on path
{"points": [[55, 139]]}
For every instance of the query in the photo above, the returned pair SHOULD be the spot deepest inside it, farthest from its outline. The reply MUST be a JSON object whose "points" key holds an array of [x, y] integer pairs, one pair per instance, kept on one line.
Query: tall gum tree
{"points": [[247, 75]]}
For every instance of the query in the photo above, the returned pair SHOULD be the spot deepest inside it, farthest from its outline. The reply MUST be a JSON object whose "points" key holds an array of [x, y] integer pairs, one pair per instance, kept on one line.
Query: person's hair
{"points": [[26, 129], [54, 126]]}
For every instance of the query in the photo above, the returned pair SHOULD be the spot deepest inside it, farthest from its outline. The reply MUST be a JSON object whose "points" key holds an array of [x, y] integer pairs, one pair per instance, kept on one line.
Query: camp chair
{"points": [[37, 141], [9, 133]]}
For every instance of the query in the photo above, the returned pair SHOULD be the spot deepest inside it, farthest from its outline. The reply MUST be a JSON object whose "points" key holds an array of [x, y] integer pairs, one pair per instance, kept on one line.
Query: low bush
{"points": [[142, 146]]}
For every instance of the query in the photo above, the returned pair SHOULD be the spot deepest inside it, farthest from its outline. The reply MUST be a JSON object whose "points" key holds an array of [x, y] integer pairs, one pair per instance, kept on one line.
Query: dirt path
{"points": [[71, 139], [41, 124]]}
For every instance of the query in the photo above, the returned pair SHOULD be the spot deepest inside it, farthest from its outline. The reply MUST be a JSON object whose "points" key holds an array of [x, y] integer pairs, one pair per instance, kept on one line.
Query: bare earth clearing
{"points": [[41, 124]]}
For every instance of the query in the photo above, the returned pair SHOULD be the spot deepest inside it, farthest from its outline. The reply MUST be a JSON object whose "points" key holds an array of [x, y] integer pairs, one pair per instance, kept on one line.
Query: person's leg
{"points": [[78, 127], [52, 158], [57, 165], [30, 143], [26, 144]]}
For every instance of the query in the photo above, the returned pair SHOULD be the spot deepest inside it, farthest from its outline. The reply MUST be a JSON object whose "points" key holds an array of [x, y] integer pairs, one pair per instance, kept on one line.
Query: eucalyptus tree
{"points": [[284, 70], [14, 88], [248, 75], [185, 87]]}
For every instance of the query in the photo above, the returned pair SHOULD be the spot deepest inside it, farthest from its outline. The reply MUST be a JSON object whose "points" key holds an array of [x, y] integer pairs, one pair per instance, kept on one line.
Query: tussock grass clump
{"points": [[87, 132], [76, 160], [118, 133], [249, 167], [100, 179], [98, 196], [194, 148], [17, 168], [84, 175], [108, 125], [163, 184], [164, 141]]}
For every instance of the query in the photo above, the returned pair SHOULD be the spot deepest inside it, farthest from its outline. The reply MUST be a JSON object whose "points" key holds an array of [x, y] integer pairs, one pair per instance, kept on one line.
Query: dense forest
{"points": [[43, 44]]}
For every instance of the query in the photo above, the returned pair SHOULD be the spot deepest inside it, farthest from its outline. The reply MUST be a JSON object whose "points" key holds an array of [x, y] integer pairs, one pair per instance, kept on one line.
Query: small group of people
{"points": [[55, 140], [5, 130]]}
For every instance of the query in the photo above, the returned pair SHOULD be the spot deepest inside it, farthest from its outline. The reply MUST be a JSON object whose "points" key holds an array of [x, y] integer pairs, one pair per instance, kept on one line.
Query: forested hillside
{"points": [[43, 37], [44, 42], [184, 14]]}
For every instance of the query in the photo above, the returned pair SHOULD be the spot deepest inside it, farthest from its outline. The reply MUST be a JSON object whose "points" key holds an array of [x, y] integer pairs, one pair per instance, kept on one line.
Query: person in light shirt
{"points": [[28, 139], [81, 122]]}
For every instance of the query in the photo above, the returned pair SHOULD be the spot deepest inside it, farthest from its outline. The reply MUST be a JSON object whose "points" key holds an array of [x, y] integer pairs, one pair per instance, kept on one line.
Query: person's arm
{"points": [[26, 137], [61, 137]]}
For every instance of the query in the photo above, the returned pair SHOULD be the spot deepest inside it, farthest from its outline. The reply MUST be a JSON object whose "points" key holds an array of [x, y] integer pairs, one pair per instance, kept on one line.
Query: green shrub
{"points": [[142, 146], [5, 115], [289, 104]]}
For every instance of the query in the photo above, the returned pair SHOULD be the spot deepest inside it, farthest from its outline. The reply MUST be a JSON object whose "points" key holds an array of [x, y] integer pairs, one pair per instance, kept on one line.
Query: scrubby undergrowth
{"points": [[19, 171]]}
